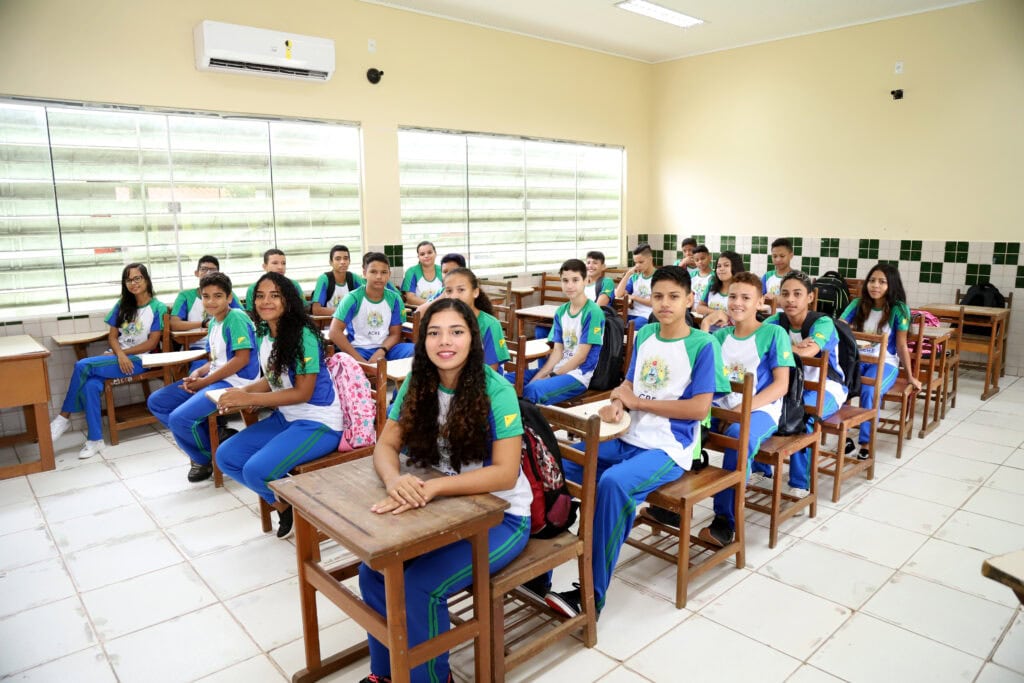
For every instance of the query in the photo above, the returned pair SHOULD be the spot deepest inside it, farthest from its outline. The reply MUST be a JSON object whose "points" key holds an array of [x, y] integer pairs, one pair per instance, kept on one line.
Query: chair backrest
{"points": [[1007, 300], [719, 440], [615, 273], [628, 350], [517, 348], [821, 363], [165, 335], [588, 431], [856, 287], [504, 314], [551, 290], [880, 340], [377, 373], [915, 342], [498, 291]]}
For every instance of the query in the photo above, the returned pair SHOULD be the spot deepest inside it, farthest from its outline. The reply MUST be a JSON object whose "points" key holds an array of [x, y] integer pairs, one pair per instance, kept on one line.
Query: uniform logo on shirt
{"points": [[509, 419], [274, 381], [654, 373], [240, 340], [132, 328], [571, 340], [819, 335], [735, 372], [375, 319]]}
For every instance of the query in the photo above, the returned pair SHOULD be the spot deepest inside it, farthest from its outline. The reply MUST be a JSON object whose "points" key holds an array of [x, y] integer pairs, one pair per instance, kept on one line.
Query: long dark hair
{"points": [[287, 350], [128, 307], [467, 428], [482, 302], [737, 267], [894, 294]]}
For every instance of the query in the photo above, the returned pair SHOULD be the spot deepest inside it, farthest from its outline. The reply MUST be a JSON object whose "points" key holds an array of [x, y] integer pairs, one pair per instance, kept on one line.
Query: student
{"points": [[274, 261], [598, 288], [463, 285], [332, 286], [577, 334], [136, 322], [701, 276], [183, 407], [749, 347], [782, 255], [450, 262], [424, 279], [367, 324], [688, 247], [449, 399], [637, 283], [668, 389], [715, 305], [883, 310], [306, 422], [188, 312], [795, 297]]}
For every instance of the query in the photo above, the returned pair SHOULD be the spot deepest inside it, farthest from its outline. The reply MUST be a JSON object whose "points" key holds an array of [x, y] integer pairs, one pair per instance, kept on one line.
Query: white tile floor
{"points": [[118, 569]]}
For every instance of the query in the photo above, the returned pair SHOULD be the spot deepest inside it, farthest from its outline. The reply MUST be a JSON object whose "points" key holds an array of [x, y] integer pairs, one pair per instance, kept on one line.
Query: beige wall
{"points": [[436, 73], [801, 137]]}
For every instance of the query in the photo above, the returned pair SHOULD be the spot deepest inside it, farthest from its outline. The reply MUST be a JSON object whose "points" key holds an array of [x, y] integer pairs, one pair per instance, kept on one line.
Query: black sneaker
{"points": [[720, 532], [666, 517], [284, 526], [567, 604], [864, 454], [850, 446], [537, 588], [225, 433], [199, 472]]}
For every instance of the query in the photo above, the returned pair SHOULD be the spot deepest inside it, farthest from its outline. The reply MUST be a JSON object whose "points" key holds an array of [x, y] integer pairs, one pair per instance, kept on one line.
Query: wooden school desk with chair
{"points": [[991, 344], [79, 341], [26, 386]]}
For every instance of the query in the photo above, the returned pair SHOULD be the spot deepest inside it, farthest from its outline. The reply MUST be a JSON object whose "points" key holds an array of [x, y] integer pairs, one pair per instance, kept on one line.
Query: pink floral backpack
{"points": [[358, 409]]}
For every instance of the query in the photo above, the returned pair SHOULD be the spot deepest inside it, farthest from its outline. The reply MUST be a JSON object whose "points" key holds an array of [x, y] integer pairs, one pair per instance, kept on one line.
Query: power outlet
{"points": [[371, 46], [898, 69]]}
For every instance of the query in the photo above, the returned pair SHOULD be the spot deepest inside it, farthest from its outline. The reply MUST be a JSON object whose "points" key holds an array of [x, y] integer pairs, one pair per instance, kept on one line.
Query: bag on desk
{"points": [[982, 294]]}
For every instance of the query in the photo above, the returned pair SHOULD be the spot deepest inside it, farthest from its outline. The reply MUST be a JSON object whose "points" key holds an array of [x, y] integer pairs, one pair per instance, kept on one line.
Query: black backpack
{"points": [[832, 294], [982, 294], [553, 509], [792, 420], [608, 373], [350, 280], [849, 354]]}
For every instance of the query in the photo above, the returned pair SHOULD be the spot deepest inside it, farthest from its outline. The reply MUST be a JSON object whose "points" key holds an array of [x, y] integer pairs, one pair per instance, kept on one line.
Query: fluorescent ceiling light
{"points": [[669, 16]]}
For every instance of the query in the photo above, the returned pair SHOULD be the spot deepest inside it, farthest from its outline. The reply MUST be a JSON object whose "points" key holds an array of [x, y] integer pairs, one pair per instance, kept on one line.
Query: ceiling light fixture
{"points": [[669, 16]]}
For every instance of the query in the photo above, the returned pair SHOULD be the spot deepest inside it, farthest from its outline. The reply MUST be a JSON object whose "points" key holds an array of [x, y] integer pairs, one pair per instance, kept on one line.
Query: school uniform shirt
{"points": [[640, 285], [824, 334], [760, 353], [323, 406], [671, 369], [250, 295], [771, 282], [699, 285], [716, 301], [415, 281], [149, 318], [585, 327], [604, 286], [495, 350], [899, 321], [320, 290], [229, 336], [368, 322], [188, 306], [504, 422]]}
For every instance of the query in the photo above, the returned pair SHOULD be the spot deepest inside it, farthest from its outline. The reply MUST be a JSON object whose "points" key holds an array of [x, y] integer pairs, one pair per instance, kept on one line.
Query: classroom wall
{"points": [[801, 137]]}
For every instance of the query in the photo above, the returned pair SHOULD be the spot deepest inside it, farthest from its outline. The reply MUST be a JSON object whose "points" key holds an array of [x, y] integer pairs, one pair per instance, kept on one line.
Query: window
{"points": [[509, 204], [83, 191]]}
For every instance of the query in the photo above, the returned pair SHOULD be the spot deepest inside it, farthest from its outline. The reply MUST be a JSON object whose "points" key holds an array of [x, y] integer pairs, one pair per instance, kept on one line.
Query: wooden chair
{"points": [[591, 395], [778, 450], [522, 626], [989, 344], [931, 373], [378, 376], [902, 392], [836, 464], [952, 359], [681, 495], [498, 291], [615, 273], [856, 287], [132, 415], [519, 363], [551, 290], [248, 417]]}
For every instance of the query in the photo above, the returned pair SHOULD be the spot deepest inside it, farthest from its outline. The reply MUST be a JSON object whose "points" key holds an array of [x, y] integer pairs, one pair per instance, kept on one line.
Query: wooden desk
{"points": [[544, 313], [26, 384], [399, 369], [609, 430], [161, 360], [1007, 569], [987, 316], [188, 337], [323, 321], [80, 341], [336, 501], [519, 292]]}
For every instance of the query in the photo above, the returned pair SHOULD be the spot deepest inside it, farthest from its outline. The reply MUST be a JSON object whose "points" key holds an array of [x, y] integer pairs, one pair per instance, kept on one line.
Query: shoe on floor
{"points": [[850, 446], [199, 472], [58, 427], [284, 524], [91, 448], [798, 493], [863, 454], [759, 479], [225, 433], [537, 587], [666, 517], [566, 603], [719, 532]]}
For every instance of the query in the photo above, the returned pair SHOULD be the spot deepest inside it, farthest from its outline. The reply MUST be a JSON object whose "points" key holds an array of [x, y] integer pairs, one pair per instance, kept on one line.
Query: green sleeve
{"points": [[407, 280], [395, 412], [508, 421], [783, 348], [722, 334], [250, 304], [851, 310], [320, 286], [594, 334], [236, 331], [900, 317], [310, 364]]}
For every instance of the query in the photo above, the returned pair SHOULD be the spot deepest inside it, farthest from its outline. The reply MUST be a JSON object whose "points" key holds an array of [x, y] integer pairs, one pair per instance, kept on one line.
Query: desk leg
{"points": [[305, 542], [482, 605], [39, 423], [398, 630]]}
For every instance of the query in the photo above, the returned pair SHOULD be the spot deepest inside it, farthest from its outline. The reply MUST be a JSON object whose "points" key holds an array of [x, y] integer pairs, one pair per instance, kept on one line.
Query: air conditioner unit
{"points": [[261, 52]]}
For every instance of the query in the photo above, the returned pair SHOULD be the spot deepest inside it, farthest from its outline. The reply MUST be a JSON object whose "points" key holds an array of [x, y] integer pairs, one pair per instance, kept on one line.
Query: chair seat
{"points": [[702, 484], [539, 556], [131, 379], [783, 446], [847, 417], [588, 396]]}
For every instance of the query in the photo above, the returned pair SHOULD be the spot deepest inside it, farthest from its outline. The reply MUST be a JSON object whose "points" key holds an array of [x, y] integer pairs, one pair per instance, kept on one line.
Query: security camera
{"points": [[374, 76], [897, 94]]}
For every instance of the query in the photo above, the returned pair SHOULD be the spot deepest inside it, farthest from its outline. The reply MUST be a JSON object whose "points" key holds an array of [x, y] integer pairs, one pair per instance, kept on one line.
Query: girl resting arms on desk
{"points": [[307, 423], [136, 322], [450, 397]]}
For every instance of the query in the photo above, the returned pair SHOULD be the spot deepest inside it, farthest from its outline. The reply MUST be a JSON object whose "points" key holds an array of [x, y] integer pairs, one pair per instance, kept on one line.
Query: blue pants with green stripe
{"points": [[85, 392], [868, 393], [185, 415], [550, 390], [800, 463], [626, 474], [429, 580], [266, 451], [762, 426]]}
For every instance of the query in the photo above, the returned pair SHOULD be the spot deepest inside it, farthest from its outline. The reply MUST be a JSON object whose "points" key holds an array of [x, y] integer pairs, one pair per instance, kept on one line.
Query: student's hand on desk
{"points": [[626, 398], [377, 355], [233, 398], [611, 413], [125, 363], [404, 492]]}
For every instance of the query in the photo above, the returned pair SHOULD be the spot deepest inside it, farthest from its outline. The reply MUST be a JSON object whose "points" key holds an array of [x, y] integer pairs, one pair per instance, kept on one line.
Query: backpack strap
{"points": [[330, 286], [350, 281], [812, 317]]}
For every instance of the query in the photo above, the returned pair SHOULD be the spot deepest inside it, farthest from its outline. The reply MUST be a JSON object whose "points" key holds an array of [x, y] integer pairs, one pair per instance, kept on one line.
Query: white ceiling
{"points": [[599, 25]]}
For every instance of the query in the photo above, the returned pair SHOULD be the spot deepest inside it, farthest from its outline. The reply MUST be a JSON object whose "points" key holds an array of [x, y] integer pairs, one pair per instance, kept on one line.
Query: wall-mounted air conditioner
{"points": [[261, 52]]}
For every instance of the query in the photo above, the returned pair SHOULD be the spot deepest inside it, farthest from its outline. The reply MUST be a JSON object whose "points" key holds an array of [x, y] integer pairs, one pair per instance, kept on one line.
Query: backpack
{"points": [[552, 510], [608, 373], [349, 280], [358, 409], [792, 420], [849, 354], [832, 294], [928, 320], [982, 294]]}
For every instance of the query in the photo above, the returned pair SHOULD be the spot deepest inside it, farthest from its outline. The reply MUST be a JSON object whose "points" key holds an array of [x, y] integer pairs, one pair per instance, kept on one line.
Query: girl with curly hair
{"points": [[715, 304], [306, 423], [457, 415]]}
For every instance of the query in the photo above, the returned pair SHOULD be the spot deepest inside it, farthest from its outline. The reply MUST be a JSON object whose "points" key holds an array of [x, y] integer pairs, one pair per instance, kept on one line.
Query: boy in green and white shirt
{"points": [[782, 255], [367, 324], [701, 276], [274, 261], [331, 287], [637, 282]]}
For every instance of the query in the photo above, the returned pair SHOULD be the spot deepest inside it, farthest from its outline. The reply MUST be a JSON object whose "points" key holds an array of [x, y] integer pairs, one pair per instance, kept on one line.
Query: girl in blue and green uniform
{"points": [[423, 280], [450, 397], [136, 323], [882, 309], [462, 284], [306, 423]]}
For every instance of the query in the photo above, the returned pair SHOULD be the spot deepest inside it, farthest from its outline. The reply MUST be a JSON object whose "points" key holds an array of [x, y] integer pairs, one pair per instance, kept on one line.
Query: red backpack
{"points": [[552, 510]]}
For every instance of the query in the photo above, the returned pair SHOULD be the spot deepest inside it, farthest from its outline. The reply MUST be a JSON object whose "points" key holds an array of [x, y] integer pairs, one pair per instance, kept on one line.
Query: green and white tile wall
{"points": [[932, 270]]}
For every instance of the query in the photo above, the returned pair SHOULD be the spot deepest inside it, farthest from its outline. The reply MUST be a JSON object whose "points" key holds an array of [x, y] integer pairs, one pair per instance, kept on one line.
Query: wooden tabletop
{"points": [[524, 290], [993, 312], [609, 430], [159, 360], [337, 501], [543, 311], [1007, 569], [399, 369], [938, 333], [20, 345], [79, 337]]}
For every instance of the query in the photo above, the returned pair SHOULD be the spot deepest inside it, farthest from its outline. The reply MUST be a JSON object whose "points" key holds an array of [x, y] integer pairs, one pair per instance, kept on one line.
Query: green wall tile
{"points": [[810, 265]]}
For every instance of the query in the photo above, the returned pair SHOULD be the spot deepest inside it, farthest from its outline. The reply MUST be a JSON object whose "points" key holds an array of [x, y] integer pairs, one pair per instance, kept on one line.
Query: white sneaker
{"points": [[91, 448], [801, 494], [759, 479], [58, 427]]}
